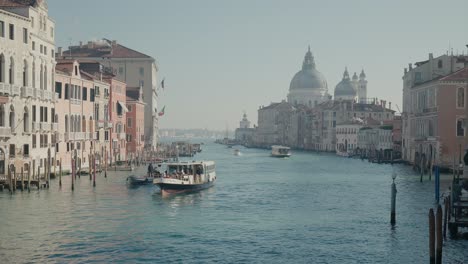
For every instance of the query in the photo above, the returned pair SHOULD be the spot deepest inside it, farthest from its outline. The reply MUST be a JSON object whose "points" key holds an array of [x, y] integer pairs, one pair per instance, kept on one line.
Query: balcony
{"points": [[122, 136], [47, 95], [27, 92], [108, 124], [3, 88], [5, 132], [44, 126], [99, 124], [15, 90]]}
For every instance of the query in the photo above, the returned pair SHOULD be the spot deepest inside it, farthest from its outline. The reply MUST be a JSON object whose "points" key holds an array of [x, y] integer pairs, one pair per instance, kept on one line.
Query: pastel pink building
{"points": [[117, 112], [135, 122], [74, 113]]}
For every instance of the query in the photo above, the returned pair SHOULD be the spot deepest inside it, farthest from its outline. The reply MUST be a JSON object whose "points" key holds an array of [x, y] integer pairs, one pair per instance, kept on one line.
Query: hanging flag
{"points": [[162, 111]]}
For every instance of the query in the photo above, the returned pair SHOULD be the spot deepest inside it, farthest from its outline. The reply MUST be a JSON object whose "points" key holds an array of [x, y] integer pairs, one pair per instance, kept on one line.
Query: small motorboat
{"points": [[280, 151], [134, 180], [237, 152]]}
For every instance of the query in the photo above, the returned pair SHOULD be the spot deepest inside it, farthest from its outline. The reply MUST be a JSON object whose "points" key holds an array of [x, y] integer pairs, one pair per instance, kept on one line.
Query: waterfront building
{"points": [[308, 86], [434, 103], [135, 122], [27, 64], [75, 111], [273, 124], [118, 117], [347, 137], [131, 67], [244, 133], [376, 141], [352, 89]]}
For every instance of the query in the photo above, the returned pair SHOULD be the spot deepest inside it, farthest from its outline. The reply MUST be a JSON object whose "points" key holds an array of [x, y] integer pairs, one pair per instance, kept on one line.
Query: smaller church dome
{"points": [[345, 89]]}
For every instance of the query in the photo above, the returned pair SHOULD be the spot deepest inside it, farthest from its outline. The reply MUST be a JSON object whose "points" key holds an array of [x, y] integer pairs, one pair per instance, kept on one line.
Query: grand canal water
{"points": [[310, 208]]}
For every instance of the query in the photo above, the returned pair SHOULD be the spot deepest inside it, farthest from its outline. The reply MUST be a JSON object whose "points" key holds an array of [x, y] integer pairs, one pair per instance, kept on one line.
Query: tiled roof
{"points": [[103, 49], [460, 75], [17, 3]]}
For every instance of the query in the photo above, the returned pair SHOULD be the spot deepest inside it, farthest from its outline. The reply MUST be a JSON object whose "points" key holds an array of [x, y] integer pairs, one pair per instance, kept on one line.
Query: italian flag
{"points": [[162, 111]]}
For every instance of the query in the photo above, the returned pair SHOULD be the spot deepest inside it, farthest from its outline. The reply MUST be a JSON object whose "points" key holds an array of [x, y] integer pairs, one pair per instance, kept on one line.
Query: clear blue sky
{"points": [[220, 58]]}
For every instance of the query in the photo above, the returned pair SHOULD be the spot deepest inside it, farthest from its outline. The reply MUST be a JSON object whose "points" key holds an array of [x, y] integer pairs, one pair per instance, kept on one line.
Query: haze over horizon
{"points": [[222, 58]]}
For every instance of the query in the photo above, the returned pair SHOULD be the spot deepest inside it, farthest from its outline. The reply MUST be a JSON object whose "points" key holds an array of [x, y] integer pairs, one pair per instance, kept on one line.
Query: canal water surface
{"points": [[310, 208]]}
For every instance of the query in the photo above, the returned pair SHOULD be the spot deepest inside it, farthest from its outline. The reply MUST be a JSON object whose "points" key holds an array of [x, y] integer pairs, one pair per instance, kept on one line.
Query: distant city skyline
{"points": [[220, 59]]}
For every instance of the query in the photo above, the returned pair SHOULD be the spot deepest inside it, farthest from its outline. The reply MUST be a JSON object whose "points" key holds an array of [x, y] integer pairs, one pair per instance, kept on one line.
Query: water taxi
{"points": [[183, 177], [280, 151]]}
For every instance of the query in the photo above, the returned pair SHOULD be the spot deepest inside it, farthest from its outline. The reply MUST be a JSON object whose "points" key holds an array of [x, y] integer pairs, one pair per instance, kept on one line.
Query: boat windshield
{"points": [[283, 150]]}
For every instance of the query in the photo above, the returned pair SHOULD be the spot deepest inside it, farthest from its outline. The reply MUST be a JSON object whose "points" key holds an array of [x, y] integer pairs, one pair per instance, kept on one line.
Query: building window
{"points": [[461, 97], [12, 31], [2, 29], [33, 45], [51, 32], [41, 48], [121, 70], [26, 150], [129, 122], [25, 35], [85, 94], [142, 71], [439, 64], [12, 150], [417, 77], [91, 95], [34, 144], [32, 22], [119, 109], [460, 128], [58, 89]]}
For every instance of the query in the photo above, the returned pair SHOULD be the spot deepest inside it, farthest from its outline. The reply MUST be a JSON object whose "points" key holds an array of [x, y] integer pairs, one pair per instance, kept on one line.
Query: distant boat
{"points": [[280, 151], [236, 152], [134, 180]]}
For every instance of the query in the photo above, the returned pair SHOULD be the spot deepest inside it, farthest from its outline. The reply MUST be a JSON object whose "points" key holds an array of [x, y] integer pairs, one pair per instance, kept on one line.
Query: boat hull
{"points": [[170, 188], [281, 155], [134, 181]]}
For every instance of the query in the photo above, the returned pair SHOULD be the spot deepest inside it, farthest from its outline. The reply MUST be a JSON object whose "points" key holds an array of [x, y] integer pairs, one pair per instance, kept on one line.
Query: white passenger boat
{"points": [[280, 151], [236, 152], [183, 177]]}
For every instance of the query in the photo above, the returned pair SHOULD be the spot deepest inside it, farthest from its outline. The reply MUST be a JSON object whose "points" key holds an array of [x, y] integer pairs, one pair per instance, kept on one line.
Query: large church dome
{"points": [[308, 77], [346, 89]]}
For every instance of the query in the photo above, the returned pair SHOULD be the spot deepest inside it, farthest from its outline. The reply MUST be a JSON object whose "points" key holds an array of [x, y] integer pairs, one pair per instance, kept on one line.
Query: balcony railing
{"points": [[26, 92], [122, 136], [54, 127], [108, 124], [45, 126], [99, 124], [35, 126], [15, 90]]}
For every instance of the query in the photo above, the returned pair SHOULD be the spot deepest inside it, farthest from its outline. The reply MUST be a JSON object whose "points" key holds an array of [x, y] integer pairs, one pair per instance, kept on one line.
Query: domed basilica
{"points": [[309, 86]]}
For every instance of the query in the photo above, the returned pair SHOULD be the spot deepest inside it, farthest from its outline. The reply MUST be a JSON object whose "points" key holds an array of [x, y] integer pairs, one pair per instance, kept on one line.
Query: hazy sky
{"points": [[220, 58]]}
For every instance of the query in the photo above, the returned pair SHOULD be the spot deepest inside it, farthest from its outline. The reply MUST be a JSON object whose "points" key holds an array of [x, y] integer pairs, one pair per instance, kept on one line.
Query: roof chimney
{"points": [[114, 43], [90, 45], [390, 105], [410, 66], [81, 44], [59, 51]]}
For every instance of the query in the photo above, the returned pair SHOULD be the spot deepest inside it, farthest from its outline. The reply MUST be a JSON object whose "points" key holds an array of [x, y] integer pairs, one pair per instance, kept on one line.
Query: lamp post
{"points": [[394, 191]]}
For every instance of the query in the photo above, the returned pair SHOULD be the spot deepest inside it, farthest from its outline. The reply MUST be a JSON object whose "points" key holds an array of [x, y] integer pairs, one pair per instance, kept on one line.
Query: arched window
{"points": [[11, 71], [33, 75], [2, 68], [25, 73], [460, 128], [56, 119], [26, 120], [2, 115], [12, 119], [83, 123], [45, 78], [66, 123], [41, 78], [72, 124]]}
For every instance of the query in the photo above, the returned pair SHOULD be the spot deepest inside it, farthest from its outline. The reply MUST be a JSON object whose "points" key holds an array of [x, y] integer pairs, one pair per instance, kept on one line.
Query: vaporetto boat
{"points": [[183, 177], [280, 151]]}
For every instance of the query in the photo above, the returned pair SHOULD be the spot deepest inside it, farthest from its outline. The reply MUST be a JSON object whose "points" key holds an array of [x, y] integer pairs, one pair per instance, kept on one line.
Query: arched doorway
{"points": [[26, 120]]}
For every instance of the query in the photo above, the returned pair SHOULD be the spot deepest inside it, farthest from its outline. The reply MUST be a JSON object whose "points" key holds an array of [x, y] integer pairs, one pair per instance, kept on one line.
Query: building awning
{"points": [[123, 106]]}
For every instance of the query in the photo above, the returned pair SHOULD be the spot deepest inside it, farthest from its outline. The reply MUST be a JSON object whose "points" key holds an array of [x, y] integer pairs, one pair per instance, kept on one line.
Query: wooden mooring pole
{"points": [[431, 237], [89, 169], [29, 177], [22, 179], [60, 173], [393, 204], [94, 170], [73, 175], [439, 240], [445, 217]]}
